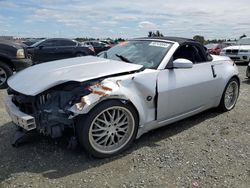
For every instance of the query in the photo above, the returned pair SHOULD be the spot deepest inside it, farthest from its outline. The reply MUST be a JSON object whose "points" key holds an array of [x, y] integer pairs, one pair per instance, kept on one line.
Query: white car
{"points": [[238, 52], [134, 87]]}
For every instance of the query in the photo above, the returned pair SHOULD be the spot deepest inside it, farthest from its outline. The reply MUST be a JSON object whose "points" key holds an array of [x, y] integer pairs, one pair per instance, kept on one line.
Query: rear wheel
{"points": [[108, 129], [230, 95], [5, 73]]}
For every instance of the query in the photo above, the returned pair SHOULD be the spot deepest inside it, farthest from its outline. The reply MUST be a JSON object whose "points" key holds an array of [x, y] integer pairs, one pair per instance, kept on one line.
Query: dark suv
{"points": [[57, 48], [13, 57]]}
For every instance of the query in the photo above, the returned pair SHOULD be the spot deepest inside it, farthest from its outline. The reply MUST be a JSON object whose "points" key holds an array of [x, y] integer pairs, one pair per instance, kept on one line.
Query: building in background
{"points": [[6, 38]]}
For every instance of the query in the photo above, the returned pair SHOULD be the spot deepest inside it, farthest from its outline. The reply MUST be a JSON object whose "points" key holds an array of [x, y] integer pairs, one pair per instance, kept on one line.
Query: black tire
{"points": [[5, 72], [248, 71], [223, 105], [84, 125], [80, 54]]}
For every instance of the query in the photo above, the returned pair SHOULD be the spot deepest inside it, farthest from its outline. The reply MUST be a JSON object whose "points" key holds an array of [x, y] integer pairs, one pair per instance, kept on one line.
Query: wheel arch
{"points": [[80, 52], [123, 100], [7, 61], [237, 78], [126, 90]]}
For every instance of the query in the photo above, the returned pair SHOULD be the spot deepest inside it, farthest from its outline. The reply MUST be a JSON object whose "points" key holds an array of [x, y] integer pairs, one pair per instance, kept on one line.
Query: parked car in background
{"points": [[31, 41], [248, 71], [57, 48], [215, 48], [109, 101], [230, 43], [89, 46], [238, 52], [13, 58], [111, 43], [98, 46]]}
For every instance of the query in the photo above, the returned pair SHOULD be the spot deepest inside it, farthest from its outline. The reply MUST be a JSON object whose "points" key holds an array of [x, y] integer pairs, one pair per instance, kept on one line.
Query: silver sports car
{"points": [[134, 87]]}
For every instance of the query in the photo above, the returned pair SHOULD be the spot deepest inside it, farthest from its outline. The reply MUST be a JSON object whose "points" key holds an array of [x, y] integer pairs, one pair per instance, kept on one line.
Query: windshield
{"points": [[37, 43], [211, 46], [244, 41], [146, 53]]}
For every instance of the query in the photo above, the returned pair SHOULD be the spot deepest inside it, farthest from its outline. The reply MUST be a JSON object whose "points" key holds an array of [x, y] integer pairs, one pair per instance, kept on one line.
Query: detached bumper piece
{"points": [[21, 119]]}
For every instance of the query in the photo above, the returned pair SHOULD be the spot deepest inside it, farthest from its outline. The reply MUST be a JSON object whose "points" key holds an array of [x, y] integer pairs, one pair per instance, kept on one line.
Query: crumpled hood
{"points": [[239, 47], [39, 78]]}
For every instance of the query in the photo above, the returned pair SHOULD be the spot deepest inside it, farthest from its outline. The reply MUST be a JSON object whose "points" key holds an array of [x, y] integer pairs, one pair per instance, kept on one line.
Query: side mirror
{"points": [[182, 63], [102, 54], [40, 47]]}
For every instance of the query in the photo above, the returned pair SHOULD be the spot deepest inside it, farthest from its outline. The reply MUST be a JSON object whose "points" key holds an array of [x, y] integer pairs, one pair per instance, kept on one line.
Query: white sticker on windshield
{"points": [[159, 44]]}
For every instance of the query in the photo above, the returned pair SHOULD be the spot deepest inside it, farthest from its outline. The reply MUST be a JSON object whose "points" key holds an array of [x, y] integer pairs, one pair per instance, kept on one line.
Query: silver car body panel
{"points": [[130, 87], [160, 96], [19, 118]]}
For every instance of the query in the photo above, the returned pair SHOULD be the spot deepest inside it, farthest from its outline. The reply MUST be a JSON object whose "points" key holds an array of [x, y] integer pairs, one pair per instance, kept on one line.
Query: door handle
{"points": [[213, 71]]}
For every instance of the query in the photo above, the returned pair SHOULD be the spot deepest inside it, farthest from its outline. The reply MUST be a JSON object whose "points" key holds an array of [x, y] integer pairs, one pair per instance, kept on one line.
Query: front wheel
{"points": [[5, 73], [108, 129], [230, 95]]}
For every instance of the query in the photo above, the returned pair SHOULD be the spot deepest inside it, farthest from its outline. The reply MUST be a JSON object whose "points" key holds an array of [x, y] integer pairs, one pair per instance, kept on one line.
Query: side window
{"points": [[199, 55], [66, 43], [102, 44], [190, 52], [96, 44], [49, 43]]}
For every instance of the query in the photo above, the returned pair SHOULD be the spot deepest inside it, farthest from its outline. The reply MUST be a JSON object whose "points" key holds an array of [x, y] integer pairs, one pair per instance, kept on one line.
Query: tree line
{"points": [[198, 38], [157, 33]]}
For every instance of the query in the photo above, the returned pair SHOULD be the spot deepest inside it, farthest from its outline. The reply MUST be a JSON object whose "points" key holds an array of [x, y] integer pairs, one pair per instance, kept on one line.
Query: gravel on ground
{"points": [[211, 149]]}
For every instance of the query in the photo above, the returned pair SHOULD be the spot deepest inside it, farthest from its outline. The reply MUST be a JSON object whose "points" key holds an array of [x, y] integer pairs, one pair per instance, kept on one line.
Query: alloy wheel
{"points": [[3, 76], [231, 95], [111, 129]]}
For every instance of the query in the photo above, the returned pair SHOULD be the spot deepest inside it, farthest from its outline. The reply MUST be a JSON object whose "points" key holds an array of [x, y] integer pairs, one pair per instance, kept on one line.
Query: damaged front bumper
{"points": [[56, 110], [21, 119]]}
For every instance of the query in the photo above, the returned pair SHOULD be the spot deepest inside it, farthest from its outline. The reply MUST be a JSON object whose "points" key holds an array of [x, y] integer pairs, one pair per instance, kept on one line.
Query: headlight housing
{"points": [[20, 54]]}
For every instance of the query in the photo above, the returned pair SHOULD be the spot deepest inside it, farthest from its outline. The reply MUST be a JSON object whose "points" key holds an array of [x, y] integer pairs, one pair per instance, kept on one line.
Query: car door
{"points": [[46, 51], [97, 47], [65, 49], [185, 91]]}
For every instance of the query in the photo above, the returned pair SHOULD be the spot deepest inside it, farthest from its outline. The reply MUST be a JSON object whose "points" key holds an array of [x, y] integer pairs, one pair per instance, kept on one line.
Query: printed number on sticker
{"points": [[159, 44]]}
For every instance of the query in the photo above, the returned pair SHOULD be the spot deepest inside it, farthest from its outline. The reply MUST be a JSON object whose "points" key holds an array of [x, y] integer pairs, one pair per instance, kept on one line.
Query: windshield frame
{"points": [[38, 43], [102, 54], [248, 39]]}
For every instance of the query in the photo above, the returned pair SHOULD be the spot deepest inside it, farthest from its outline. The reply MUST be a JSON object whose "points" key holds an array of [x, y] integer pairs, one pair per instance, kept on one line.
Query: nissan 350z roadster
{"points": [[134, 87]]}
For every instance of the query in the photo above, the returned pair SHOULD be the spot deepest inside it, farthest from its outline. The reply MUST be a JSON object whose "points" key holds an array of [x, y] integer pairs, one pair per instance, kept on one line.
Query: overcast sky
{"points": [[127, 19]]}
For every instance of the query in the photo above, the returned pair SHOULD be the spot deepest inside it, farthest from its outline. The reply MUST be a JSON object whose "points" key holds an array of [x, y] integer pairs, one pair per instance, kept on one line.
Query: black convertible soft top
{"points": [[180, 40]]}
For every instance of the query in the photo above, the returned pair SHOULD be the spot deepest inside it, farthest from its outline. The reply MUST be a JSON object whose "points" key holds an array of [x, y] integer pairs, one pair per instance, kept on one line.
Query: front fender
{"points": [[130, 89]]}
